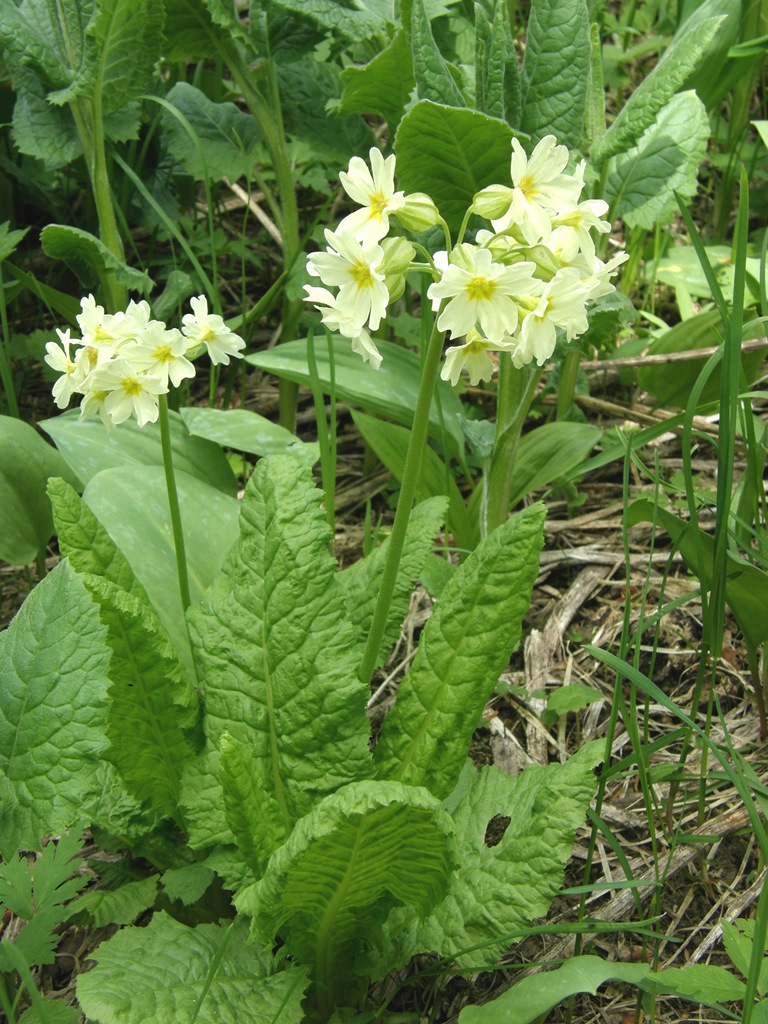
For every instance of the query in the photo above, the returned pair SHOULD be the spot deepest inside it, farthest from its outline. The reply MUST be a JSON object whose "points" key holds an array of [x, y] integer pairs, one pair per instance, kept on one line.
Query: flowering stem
{"points": [[173, 503], [411, 474], [516, 390]]}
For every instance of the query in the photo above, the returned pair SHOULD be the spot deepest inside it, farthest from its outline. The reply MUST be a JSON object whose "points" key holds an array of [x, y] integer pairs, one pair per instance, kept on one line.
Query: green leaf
{"points": [[26, 463], [434, 80], [349, 23], [492, 57], [53, 689], [642, 182], [121, 906], [36, 892], [28, 37], [363, 850], [88, 255], [253, 813], [9, 240], [151, 705], [556, 71], [390, 443], [187, 884], [462, 651], [56, 1012], [383, 86], [272, 645], [646, 102], [84, 541], [247, 432], [391, 391], [574, 697], [210, 140], [746, 589], [451, 153], [40, 129], [89, 447], [163, 971], [547, 453], [131, 503], [361, 581], [704, 983], [530, 999], [190, 33]]}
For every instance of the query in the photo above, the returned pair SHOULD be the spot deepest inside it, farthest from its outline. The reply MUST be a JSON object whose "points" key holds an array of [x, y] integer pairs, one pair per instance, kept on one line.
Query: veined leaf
{"points": [[84, 541], [451, 153], [151, 705], [27, 36], [214, 140], [654, 92], [163, 971], [248, 432], [361, 581], [642, 182], [462, 652], [363, 850], [349, 23], [276, 656], [433, 77], [186, 884], [80, 249], [492, 57], [383, 86], [252, 813], [56, 1012], [504, 888], [118, 906], [190, 33], [555, 71], [53, 691], [26, 463], [40, 129]]}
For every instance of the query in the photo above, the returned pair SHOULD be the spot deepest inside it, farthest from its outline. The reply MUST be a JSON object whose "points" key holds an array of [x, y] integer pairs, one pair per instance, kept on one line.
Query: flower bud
{"points": [[418, 212], [398, 254], [493, 201]]}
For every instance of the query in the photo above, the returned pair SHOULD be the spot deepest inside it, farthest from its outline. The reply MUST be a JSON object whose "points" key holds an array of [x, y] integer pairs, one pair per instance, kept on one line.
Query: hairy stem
{"points": [[173, 504]]}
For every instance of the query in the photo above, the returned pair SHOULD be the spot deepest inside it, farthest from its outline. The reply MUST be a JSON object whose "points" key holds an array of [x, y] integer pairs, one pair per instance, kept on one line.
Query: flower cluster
{"points": [[124, 361], [510, 290]]}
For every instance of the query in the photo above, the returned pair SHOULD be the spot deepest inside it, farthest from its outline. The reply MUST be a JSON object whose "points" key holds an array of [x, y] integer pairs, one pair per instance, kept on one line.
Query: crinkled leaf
{"points": [[187, 884], [746, 589], [56, 1012], [383, 86], [642, 182], [26, 463], [88, 446], [121, 906], [247, 431], [36, 892], [532, 998], [462, 651], [131, 502], [555, 71], [84, 541], [363, 850], [160, 973], [391, 391], [151, 705], [89, 256], [273, 648], [451, 153], [309, 90], [40, 129], [350, 23], [252, 812], [361, 581], [434, 80], [53, 690], [504, 888], [203, 803], [390, 443], [646, 102], [190, 33], [29, 39], [492, 56], [213, 140]]}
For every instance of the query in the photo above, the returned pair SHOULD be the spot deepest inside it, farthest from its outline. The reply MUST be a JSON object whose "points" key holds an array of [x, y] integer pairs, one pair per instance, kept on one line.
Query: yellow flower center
{"points": [[101, 334], [207, 335], [131, 386], [378, 204], [480, 289], [528, 187], [362, 275], [163, 354], [93, 356]]}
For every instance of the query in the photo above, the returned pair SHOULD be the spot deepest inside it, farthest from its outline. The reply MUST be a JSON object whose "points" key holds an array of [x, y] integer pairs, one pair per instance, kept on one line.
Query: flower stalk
{"points": [[173, 503]]}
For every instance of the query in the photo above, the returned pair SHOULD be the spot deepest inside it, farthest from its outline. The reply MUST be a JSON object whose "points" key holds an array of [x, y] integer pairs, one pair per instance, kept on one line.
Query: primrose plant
{"points": [[345, 858]]}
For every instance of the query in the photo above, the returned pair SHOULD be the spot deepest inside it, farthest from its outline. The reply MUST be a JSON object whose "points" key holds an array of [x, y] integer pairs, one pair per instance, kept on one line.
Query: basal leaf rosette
{"points": [[518, 286], [362, 851]]}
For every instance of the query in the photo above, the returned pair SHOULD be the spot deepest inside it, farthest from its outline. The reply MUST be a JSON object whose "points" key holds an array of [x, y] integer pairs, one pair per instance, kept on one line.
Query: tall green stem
{"points": [[410, 480], [173, 504], [515, 394]]}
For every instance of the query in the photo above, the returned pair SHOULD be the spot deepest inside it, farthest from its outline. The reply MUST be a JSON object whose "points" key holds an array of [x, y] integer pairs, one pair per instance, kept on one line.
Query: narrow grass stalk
{"points": [[326, 437], [411, 473], [515, 394], [173, 504]]}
